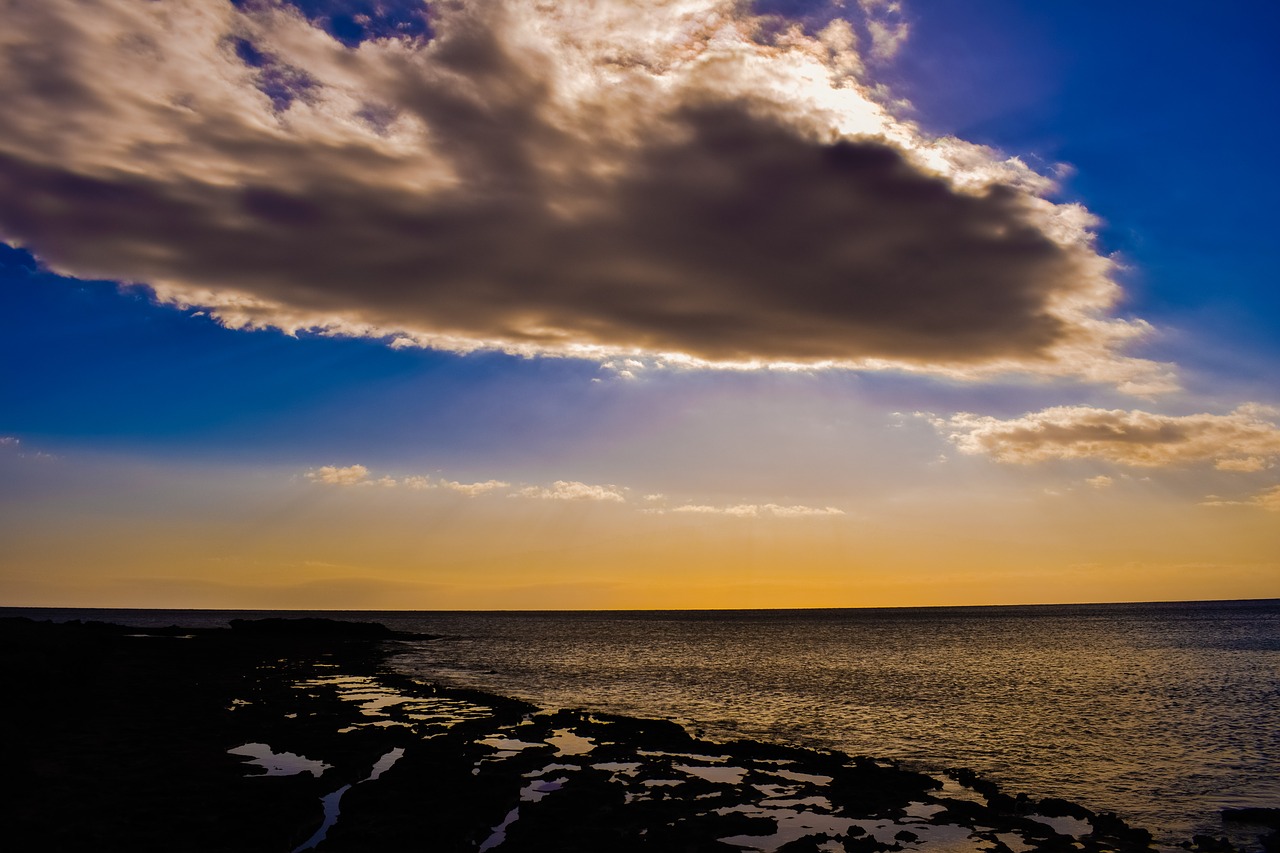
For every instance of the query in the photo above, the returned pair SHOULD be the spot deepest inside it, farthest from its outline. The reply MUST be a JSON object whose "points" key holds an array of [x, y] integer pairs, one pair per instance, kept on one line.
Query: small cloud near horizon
{"points": [[751, 510], [1246, 440], [571, 490], [1268, 500], [562, 490]]}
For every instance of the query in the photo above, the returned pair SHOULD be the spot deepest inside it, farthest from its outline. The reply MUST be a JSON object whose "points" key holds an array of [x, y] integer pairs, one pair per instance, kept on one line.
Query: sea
{"points": [[1165, 713]]}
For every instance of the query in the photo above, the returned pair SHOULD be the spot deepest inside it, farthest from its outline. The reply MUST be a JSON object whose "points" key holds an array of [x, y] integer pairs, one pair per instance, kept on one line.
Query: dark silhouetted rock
{"points": [[1055, 807], [1109, 825], [808, 844], [310, 628], [1257, 817]]}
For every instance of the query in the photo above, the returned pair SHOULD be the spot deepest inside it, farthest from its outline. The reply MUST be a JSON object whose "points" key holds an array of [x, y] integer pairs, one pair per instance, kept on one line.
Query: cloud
{"points": [[13, 443], [1245, 440], [560, 490], [753, 510], [681, 181], [740, 510], [565, 490], [886, 26], [473, 489], [418, 483], [571, 490], [1268, 500], [358, 475], [799, 511], [351, 475], [1102, 481]]}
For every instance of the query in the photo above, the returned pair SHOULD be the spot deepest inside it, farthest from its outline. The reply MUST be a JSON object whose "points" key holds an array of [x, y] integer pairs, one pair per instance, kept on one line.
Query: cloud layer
{"points": [[1268, 500], [676, 179], [1247, 439], [560, 490], [569, 490], [753, 510]]}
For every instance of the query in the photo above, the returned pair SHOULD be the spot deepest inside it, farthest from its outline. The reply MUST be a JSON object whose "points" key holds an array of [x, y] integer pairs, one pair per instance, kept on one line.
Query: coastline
{"points": [[123, 738]]}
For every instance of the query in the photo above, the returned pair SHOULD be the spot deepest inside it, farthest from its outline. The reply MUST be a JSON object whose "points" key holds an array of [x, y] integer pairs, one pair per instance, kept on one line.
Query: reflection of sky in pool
{"points": [[279, 763], [383, 706]]}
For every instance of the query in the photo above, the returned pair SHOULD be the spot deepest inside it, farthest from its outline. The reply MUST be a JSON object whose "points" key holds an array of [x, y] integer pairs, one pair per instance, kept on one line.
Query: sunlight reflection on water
{"points": [[1163, 713]]}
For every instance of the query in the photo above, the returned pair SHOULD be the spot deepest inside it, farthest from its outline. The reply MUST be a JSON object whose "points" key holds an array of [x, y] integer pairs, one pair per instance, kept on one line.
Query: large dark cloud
{"points": [[552, 184]]}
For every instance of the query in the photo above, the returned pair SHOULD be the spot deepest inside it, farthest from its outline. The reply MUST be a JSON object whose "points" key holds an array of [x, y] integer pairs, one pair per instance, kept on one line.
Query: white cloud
{"points": [[351, 475], [1245, 440], [564, 490], [755, 510], [801, 511], [1268, 500], [1244, 463], [571, 490], [9, 441], [1102, 481], [474, 489], [357, 475], [887, 27], [740, 510]]}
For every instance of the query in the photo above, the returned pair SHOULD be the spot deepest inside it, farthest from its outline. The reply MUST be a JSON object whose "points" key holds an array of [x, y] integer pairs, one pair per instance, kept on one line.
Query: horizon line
{"points": [[651, 609]]}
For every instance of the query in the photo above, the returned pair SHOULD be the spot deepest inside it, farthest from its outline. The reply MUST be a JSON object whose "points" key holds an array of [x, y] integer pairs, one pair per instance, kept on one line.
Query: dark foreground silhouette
{"points": [[290, 735]]}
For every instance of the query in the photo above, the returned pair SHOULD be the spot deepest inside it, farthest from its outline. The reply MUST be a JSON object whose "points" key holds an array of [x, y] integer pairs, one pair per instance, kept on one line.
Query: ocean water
{"points": [[1164, 713]]}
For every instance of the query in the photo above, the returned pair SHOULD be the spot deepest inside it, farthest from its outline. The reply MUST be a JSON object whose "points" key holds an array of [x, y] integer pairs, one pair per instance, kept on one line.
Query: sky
{"points": [[377, 304]]}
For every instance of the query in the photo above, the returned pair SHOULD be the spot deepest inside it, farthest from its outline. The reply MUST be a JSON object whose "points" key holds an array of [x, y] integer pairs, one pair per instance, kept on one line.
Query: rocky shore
{"points": [[292, 735]]}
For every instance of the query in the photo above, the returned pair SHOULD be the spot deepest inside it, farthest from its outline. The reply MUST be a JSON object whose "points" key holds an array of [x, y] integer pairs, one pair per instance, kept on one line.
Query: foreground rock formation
{"points": [[280, 736]]}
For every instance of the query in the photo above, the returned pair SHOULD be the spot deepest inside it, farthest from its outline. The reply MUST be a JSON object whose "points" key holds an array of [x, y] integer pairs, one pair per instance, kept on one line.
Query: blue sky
{"points": [[1154, 117], [1158, 109]]}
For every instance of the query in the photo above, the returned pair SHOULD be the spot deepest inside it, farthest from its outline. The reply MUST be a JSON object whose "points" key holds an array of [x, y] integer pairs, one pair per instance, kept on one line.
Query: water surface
{"points": [[1164, 713]]}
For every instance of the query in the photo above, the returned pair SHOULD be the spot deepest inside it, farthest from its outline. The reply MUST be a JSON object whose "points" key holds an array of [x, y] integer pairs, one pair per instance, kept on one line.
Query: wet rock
{"points": [[1055, 807], [1259, 817], [1002, 802], [868, 844], [315, 628], [972, 780], [867, 788], [963, 812], [1107, 825], [648, 734], [808, 844]]}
